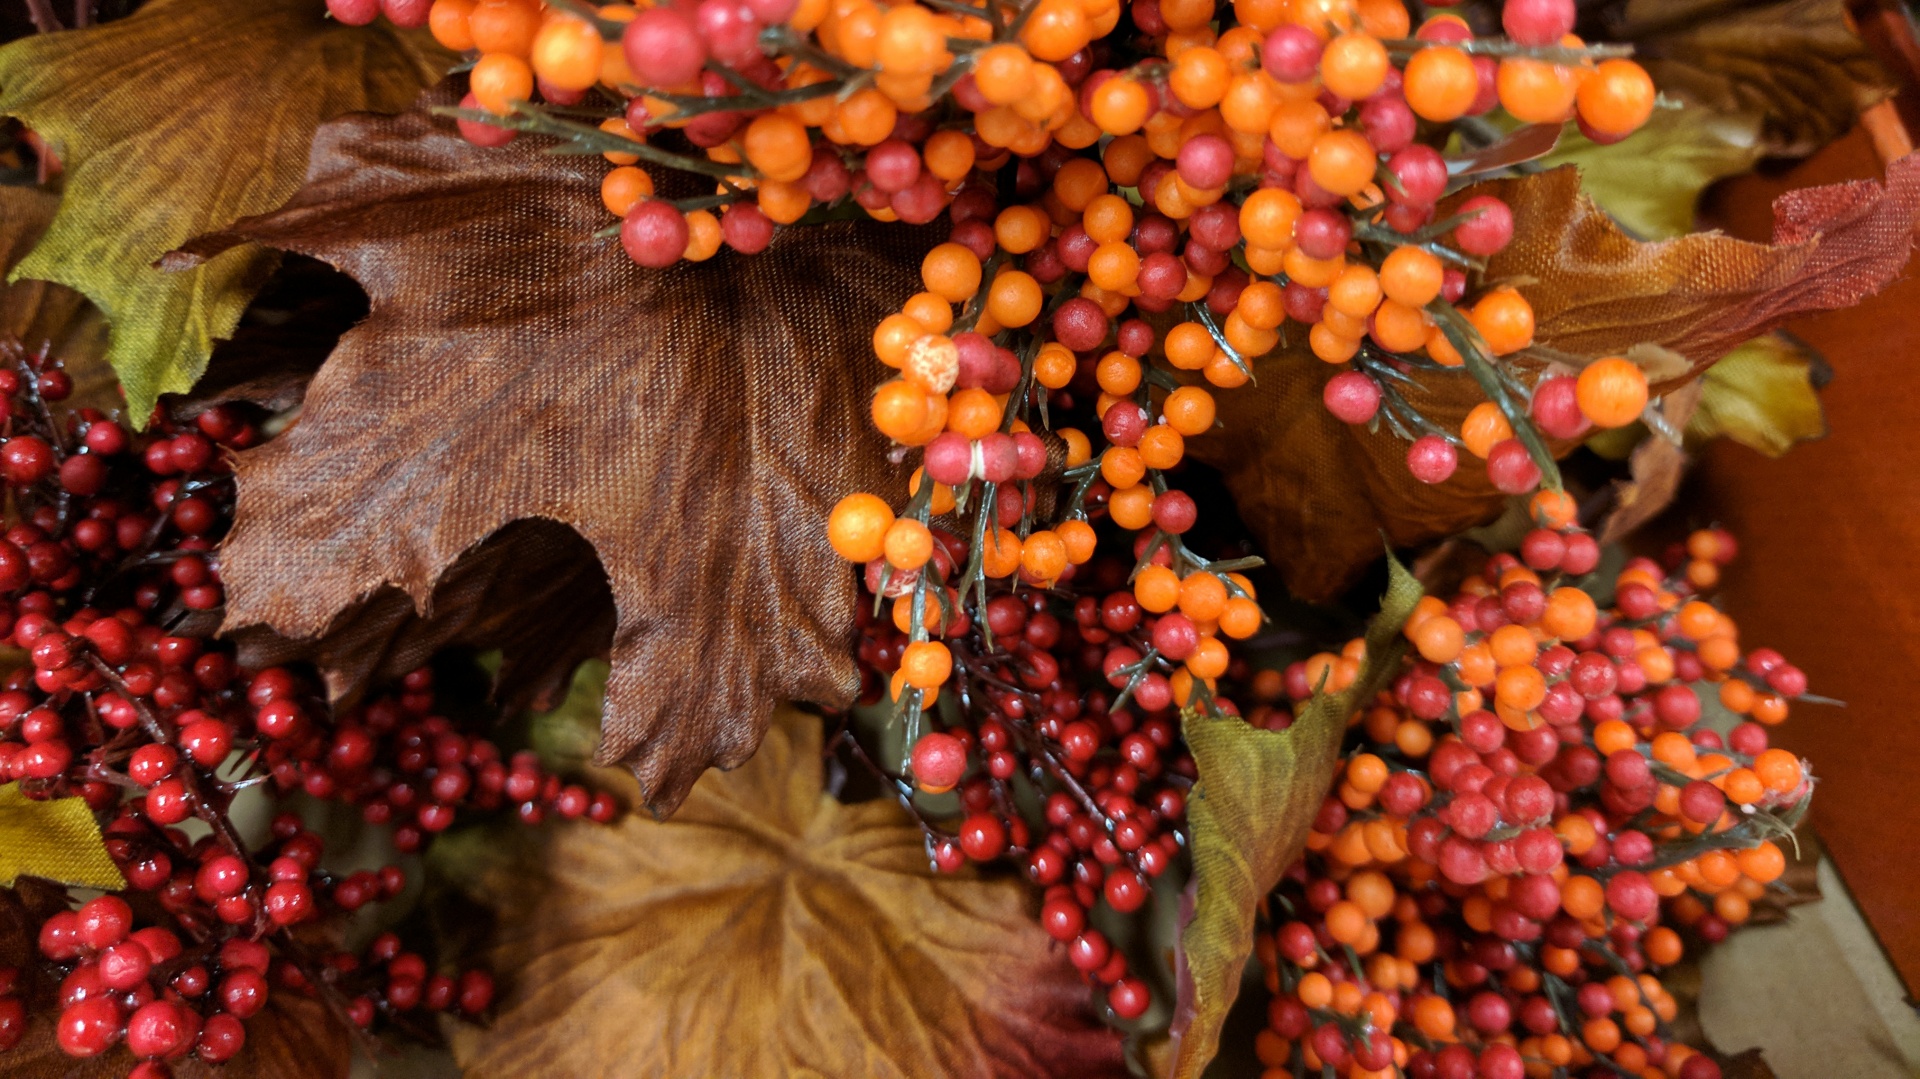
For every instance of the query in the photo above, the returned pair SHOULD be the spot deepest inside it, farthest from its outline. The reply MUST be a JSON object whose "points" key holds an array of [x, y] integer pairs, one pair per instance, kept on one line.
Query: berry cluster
{"points": [[1488, 891], [1054, 689], [103, 576]]}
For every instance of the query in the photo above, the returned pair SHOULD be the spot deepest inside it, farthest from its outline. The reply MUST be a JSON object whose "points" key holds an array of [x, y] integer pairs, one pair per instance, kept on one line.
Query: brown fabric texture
{"points": [[694, 425], [767, 931], [1320, 494]]}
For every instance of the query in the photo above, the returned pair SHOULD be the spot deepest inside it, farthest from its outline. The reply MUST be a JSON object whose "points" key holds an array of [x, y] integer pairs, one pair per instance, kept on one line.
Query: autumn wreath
{"points": [[974, 424]]}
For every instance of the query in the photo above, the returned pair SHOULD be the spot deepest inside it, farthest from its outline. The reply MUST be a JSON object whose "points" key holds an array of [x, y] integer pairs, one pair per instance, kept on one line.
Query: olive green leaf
{"points": [[1795, 63], [176, 121], [1651, 181], [54, 838], [1253, 802], [1764, 396]]}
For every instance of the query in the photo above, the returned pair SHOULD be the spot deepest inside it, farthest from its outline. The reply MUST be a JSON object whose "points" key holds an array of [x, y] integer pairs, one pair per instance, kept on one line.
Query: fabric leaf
{"points": [[1253, 802], [1651, 181], [1796, 63], [177, 120], [694, 425], [1654, 471], [1764, 395], [769, 931], [54, 838], [1319, 493]]}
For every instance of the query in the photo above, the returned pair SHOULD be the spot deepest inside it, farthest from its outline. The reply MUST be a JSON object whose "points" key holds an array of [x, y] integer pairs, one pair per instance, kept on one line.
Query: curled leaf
{"points": [[1652, 180], [144, 173], [1320, 493], [53, 838], [769, 931], [1654, 471], [1795, 63], [694, 425], [1253, 802], [1764, 395]]}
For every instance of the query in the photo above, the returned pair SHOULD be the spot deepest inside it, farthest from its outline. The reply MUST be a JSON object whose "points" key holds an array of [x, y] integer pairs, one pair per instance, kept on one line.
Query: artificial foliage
{"points": [[948, 538]]}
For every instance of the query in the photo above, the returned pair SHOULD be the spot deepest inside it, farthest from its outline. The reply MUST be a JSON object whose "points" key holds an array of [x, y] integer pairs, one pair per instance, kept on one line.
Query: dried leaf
{"points": [[1252, 806], [1796, 63], [292, 1038], [769, 931], [1654, 469], [1764, 395], [39, 314], [54, 838], [694, 425], [1651, 181], [1516, 147], [1319, 493], [143, 174]]}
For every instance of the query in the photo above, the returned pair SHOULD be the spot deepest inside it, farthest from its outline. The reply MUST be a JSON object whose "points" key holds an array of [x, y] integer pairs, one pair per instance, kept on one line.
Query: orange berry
{"points": [[1189, 410], [1779, 769], [1616, 98], [499, 80], [1121, 106], [1200, 77], [1411, 276], [448, 22], [1570, 614], [952, 272], [1203, 596], [1612, 392], [926, 664], [1440, 83], [1157, 589], [1080, 540], [1353, 66], [1056, 30], [1534, 91], [1241, 618], [973, 412], [567, 52], [1484, 427], [1000, 554], [1209, 659], [1118, 373], [1268, 216], [777, 145], [1343, 162], [1121, 466], [1043, 555], [899, 409], [1054, 367], [857, 528], [909, 544], [1014, 299], [1296, 125], [1398, 327], [506, 27], [1003, 73], [1131, 507], [1505, 319], [1764, 863], [624, 188]]}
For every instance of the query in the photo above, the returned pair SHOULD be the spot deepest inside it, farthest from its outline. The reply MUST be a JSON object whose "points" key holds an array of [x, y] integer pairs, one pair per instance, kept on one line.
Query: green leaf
{"points": [[180, 120], [56, 839], [1252, 806], [1764, 396], [1651, 181]]}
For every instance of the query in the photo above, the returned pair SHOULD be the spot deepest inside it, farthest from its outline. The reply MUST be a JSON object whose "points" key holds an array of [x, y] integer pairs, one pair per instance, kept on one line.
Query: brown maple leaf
{"points": [[767, 931], [694, 425], [1319, 494]]}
